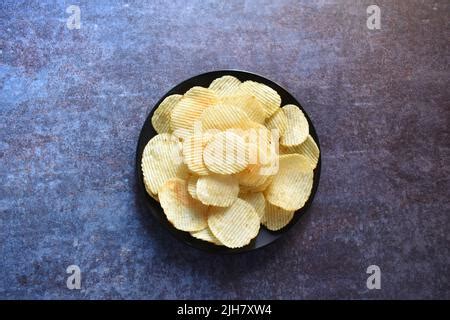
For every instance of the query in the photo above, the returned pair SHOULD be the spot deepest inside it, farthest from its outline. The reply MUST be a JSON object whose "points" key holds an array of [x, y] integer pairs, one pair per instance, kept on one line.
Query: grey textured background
{"points": [[72, 103]]}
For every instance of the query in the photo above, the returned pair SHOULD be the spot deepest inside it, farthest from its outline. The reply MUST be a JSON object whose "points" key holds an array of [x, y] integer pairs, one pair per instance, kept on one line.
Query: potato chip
{"points": [[193, 153], [206, 235], [234, 226], [161, 161], [251, 176], [268, 97], [189, 109], [308, 148], [278, 121], [261, 188], [225, 86], [202, 95], [263, 162], [297, 129], [224, 117], [226, 153], [181, 210], [291, 186], [257, 200], [192, 186], [217, 190], [249, 104], [161, 116], [261, 137], [147, 188], [276, 218]]}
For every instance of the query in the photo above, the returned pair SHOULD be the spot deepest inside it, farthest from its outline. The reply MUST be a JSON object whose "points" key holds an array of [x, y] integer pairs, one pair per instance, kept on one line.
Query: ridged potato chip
{"points": [[226, 153], [251, 176], [234, 226], [223, 117], [257, 200], [202, 95], [162, 160], [217, 190], [193, 146], [278, 121], [276, 218], [261, 188], [225, 86], [260, 141], [184, 212], [263, 162], [268, 97], [206, 235], [297, 129], [291, 186], [189, 109], [249, 104], [192, 186], [147, 188], [161, 116], [308, 148]]}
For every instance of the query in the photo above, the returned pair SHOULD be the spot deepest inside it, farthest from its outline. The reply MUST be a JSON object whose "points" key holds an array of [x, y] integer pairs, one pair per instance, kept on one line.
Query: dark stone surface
{"points": [[72, 103]]}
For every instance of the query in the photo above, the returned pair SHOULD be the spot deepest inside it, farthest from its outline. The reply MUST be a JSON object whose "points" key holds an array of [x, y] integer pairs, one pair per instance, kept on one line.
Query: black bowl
{"points": [[265, 237]]}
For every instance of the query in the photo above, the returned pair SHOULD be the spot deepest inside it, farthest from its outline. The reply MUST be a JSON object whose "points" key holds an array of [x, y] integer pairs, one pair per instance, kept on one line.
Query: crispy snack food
{"points": [[294, 177], [236, 225], [228, 159], [276, 218], [297, 127], [184, 212], [161, 161], [226, 153], [162, 115], [217, 190]]}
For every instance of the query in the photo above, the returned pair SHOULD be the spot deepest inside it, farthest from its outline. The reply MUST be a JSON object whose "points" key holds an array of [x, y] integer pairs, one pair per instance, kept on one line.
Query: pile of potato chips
{"points": [[227, 159]]}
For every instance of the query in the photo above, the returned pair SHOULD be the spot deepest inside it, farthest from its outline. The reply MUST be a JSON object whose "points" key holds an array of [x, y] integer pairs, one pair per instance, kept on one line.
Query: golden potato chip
{"points": [[257, 200], [225, 86], [263, 162], [234, 226], [260, 188], [291, 186], [278, 121], [249, 104], [192, 186], [224, 117], [161, 116], [181, 210], [189, 109], [251, 176], [226, 153], [262, 140], [193, 153], [147, 188], [308, 148], [297, 129], [217, 190], [202, 95], [276, 218], [268, 97], [206, 235], [162, 160]]}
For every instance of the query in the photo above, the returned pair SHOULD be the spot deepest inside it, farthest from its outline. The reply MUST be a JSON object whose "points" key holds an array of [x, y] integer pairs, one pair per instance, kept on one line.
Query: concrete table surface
{"points": [[72, 102]]}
